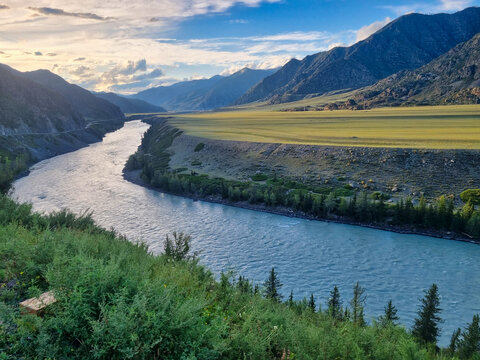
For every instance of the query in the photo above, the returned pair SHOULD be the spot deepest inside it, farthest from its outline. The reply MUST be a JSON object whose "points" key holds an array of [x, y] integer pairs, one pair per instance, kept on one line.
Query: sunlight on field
{"points": [[439, 127]]}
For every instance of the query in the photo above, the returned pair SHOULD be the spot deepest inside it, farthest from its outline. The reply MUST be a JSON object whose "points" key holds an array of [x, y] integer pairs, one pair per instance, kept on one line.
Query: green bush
{"points": [[199, 147], [259, 177], [471, 194], [115, 300]]}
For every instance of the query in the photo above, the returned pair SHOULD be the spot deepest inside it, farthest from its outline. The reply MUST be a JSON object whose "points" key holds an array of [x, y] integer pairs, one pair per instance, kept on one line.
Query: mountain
{"points": [[206, 94], [42, 115], [407, 43], [83, 101], [129, 105], [451, 78], [28, 107]]}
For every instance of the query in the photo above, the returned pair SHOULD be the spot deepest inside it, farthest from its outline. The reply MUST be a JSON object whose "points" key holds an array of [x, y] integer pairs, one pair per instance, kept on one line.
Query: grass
{"points": [[432, 127], [311, 102]]}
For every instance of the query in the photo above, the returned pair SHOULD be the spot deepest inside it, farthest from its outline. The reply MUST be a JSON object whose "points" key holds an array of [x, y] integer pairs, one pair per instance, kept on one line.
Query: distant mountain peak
{"points": [[207, 94]]}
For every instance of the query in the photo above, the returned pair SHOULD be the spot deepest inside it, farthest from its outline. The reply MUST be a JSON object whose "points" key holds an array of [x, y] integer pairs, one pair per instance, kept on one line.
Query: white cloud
{"points": [[454, 5], [431, 7], [115, 45], [368, 30]]}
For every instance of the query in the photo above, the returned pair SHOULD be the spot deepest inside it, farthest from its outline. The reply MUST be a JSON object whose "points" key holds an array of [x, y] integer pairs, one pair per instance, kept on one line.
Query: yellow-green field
{"points": [[435, 127]]}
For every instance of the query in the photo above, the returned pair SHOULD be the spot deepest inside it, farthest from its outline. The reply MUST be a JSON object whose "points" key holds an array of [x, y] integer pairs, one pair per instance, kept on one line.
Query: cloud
{"points": [[368, 30], [101, 46], [430, 8], [454, 5], [295, 36], [238, 21], [4, 7], [156, 73], [60, 12], [81, 71]]}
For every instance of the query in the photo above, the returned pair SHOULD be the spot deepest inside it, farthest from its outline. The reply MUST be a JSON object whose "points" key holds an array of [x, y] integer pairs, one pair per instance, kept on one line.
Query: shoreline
{"points": [[134, 177]]}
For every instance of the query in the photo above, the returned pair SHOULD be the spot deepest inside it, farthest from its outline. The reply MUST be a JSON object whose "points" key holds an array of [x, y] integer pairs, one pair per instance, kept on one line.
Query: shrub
{"points": [[259, 177], [199, 147], [471, 194]]}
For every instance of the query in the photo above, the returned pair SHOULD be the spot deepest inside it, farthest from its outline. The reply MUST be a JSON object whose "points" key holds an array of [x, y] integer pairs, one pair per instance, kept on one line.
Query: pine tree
{"points": [[454, 341], [272, 287], [290, 300], [358, 304], [311, 303], [335, 304], [390, 316], [470, 343], [426, 328]]}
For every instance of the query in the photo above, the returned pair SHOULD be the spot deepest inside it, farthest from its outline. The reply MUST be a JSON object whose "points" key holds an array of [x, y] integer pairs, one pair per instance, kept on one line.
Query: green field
{"points": [[435, 127]]}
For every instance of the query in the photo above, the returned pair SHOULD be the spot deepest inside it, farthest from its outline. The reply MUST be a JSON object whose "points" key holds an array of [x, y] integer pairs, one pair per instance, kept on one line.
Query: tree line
{"points": [[464, 344], [438, 214]]}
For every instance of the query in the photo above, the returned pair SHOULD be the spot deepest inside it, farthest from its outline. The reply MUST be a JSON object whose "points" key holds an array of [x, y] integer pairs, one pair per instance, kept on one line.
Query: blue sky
{"points": [[127, 46]]}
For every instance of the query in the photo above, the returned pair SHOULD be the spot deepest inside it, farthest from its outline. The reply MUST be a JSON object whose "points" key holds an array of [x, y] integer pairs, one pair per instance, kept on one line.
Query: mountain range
{"points": [[407, 43], [129, 105], [204, 94], [451, 78]]}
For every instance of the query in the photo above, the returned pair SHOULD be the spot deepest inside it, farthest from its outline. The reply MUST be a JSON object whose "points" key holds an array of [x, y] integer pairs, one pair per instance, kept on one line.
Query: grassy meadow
{"points": [[435, 127]]}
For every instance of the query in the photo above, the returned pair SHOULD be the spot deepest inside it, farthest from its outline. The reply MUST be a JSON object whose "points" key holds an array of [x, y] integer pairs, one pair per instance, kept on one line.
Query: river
{"points": [[309, 256]]}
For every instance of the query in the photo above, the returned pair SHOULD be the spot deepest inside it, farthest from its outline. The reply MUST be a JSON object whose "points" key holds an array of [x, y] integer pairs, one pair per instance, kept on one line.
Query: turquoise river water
{"points": [[310, 256]]}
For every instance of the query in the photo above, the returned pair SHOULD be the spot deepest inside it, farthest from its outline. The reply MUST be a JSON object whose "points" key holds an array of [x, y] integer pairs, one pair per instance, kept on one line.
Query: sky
{"points": [[126, 46]]}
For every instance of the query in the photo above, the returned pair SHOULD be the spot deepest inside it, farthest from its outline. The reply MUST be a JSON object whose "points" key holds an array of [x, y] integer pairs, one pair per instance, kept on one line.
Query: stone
{"points": [[37, 305]]}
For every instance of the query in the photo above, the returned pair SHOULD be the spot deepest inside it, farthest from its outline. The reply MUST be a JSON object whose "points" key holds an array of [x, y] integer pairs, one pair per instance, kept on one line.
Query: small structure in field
{"points": [[37, 305]]}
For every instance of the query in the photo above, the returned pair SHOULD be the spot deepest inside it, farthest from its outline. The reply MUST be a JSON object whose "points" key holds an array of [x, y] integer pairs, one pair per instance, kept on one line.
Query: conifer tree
{"points": [[273, 286], [358, 304], [311, 303], [390, 316], [454, 341], [335, 304], [426, 328], [290, 299], [470, 343]]}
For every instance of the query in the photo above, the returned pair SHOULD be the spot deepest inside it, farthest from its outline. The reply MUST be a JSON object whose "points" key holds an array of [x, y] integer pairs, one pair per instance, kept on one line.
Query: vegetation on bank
{"points": [[115, 300], [343, 203], [11, 166]]}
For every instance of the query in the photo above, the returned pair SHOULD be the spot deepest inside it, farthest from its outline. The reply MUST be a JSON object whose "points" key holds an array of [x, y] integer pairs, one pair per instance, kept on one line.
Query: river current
{"points": [[309, 256]]}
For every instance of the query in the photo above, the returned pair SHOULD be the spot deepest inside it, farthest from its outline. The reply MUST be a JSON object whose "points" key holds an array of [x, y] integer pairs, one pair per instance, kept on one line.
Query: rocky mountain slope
{"points": [[28, 107], [83, 101], [43, 115], [129, 105], [452, 78], [407, 43], [205, 94]]}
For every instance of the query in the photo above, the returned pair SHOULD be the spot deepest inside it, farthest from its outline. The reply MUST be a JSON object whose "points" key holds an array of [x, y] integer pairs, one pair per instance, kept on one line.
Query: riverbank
{"points": [[19, 152], [135, 178]]}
